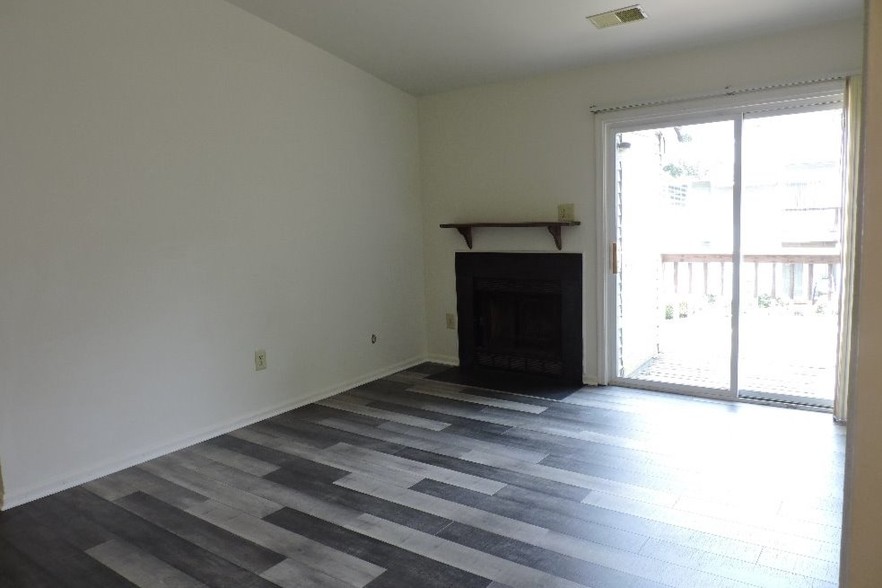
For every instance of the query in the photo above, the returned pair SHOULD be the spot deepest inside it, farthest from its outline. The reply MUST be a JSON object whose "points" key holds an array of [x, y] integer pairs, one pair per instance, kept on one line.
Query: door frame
{"points": [[727, 107]]}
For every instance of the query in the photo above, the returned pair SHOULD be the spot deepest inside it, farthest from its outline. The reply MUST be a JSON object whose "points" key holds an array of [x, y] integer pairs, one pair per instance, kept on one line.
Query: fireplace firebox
{"points": [[520, 313]]}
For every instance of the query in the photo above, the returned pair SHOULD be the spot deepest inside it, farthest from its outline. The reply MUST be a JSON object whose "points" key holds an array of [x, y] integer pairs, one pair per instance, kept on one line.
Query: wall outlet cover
{"points": [[451, 320], [259, 360]]}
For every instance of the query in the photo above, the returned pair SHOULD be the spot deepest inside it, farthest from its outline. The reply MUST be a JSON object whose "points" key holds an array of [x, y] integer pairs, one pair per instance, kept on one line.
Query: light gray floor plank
{"points": [[293, 574], [140, 568], [757, 516], [820, 569], [345, 404], [756, 574], [343, 462], [512, 463], [158, 487], [767, 537], [234, 460], [431, 472], [344, 567], [603, 555], [452, 445], [480, 519], [453, 554], [278, 494], [385, 433], [574, 479], [178, 469], [467, 444], [111, 487], [512, 420], [430, 389]]}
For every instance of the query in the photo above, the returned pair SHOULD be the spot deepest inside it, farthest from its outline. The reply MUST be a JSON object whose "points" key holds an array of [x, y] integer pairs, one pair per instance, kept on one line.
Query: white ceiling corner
{"points": [[429, 46]]}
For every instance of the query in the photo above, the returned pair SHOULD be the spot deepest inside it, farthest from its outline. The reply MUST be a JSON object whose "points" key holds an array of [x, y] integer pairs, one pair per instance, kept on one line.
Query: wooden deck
{"points": [[780, 354], [808, 382]]}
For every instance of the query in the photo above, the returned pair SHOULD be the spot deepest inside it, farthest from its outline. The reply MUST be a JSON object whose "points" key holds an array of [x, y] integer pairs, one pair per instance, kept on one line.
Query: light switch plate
{"points": [[451, 320]]}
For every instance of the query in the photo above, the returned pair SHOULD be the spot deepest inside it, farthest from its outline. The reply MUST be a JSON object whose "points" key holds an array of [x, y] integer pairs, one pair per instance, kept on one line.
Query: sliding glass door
{"points": [[724, 253], [674, 242], [791, 219]]}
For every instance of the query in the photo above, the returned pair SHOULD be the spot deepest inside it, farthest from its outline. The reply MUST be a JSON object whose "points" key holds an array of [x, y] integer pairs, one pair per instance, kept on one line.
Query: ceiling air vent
{"points": [[618, 17]]}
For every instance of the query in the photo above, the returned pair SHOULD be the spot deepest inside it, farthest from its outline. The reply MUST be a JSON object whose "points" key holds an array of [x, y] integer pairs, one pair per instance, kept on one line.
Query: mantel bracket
{"points": [[555, 233], [466, 233]]}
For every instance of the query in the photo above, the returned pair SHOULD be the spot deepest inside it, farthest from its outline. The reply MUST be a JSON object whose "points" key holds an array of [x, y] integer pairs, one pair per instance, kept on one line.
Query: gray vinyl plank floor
{"points": [[410, 482]]}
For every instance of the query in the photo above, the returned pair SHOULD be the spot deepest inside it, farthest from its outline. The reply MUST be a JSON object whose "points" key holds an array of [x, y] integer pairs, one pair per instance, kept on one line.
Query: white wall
{"points": [[181, 184], [862, 525], [514, 151]]}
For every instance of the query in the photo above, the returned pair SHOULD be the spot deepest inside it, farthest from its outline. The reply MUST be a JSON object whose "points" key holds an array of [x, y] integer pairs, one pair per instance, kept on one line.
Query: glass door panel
{"points": [[674, 238], [791, 214]]}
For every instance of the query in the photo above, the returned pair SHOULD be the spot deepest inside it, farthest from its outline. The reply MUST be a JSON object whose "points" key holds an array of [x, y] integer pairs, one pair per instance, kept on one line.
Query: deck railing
{"points": [[788, 277]]}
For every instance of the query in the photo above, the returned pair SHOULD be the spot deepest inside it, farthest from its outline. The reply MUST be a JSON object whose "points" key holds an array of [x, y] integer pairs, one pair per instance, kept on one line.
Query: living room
{"points": [[185, 184]]}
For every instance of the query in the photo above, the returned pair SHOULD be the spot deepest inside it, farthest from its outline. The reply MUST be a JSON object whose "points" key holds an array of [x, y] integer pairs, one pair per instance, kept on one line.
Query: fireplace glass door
{"points": [[519, 326]]}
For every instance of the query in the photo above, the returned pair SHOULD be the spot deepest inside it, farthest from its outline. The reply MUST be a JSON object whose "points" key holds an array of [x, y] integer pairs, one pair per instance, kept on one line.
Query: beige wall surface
{"points": [[181, 184], [514, 151], [862, 533]]}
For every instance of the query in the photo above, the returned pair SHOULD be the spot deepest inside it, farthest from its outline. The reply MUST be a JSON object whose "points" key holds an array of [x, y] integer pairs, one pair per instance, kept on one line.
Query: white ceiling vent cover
{"points": [[618, 17]]}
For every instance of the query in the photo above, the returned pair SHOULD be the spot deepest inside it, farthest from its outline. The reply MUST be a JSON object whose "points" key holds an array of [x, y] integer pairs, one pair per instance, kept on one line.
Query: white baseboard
{"points": [[17, 498], [444, 360]]}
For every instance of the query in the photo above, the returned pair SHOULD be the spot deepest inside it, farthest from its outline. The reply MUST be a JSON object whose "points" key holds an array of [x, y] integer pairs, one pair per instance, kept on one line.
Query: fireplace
{"points": [[520, 313]]}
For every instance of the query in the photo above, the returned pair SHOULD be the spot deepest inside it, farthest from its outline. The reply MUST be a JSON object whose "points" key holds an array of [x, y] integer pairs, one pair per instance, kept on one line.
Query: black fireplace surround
{"points": [[520, 313]]}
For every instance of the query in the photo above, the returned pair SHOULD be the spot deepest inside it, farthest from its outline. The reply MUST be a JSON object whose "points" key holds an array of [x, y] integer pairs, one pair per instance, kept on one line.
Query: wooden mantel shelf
{"points": [[465, 229]]}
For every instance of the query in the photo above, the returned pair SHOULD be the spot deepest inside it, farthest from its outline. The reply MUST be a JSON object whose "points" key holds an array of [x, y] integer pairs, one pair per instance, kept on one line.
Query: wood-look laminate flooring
{"points": [[413, 482]]}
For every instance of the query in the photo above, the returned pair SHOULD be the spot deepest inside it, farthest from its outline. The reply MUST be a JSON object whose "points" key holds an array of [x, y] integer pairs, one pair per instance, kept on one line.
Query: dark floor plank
{"points": [[542, 485], [300, 550], [292, 425], [428, 368], [166, 491], [425, 522], [222, 543], [17, 570], [563, 566], [418, 570], [411, 404], [303, 467], [139, 567], [433, 441], [547, 519], [187, 557], [70, 526], [67, 564], [535, 400]]}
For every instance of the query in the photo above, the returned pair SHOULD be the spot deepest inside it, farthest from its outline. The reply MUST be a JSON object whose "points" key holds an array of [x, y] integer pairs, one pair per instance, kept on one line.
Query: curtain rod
{"points": [[727, 91]]}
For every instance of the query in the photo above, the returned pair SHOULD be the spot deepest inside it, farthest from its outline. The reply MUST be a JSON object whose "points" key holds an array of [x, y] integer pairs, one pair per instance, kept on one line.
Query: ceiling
{"points": [[429, 46]]}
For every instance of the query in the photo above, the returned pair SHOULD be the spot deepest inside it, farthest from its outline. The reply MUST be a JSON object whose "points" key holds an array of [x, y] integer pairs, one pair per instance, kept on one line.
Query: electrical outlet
{"points": [[451, 320], [566, 212], [260, 360]]}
